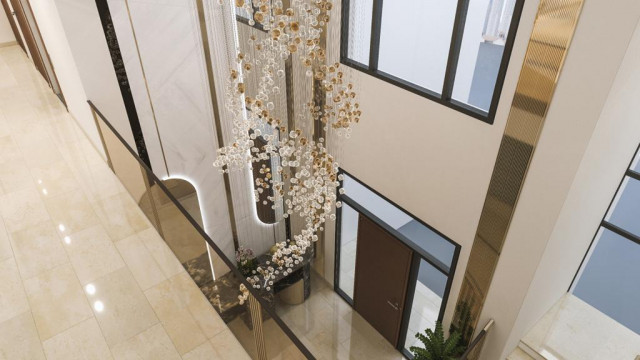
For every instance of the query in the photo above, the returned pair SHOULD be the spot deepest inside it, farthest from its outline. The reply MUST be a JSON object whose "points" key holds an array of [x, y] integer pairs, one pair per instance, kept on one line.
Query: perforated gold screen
{"points": [[552, 33]]}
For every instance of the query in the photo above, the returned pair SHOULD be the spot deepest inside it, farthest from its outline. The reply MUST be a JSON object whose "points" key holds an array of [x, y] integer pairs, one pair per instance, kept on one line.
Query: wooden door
{"points": [[14, 27], [382, 272], [28, 38]]}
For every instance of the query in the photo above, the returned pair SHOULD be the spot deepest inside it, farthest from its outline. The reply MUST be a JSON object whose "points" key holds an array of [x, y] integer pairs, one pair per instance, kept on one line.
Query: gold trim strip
{"points": [[553, 31]]}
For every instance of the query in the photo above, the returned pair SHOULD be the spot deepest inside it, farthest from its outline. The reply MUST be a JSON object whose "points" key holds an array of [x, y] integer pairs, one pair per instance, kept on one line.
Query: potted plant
{"points": [[436, 347], [246, 261]]}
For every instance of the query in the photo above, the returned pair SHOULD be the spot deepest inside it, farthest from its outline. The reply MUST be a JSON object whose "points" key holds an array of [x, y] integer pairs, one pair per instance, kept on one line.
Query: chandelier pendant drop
{"points": [[306, 181]]}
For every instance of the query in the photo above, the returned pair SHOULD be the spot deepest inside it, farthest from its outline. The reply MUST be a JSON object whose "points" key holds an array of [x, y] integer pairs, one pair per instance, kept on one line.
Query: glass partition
{"points": [[427, 300], [170, 208]]}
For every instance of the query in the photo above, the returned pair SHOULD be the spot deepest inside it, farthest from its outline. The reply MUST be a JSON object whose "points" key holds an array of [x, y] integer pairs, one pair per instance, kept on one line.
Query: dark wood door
{"points": [[14, 27], [28, 38], [382, 272]]}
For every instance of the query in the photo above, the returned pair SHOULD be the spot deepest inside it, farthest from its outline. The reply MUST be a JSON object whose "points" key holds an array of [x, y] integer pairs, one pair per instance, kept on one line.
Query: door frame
{"points": [[12, 23], [43, 54], [418, 254]]}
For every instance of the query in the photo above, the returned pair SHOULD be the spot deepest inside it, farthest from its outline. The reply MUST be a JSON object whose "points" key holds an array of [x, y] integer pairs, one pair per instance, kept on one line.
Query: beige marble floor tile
{"points": [[92, 254], [13, 300], [71, 212], [40, 153], [200, 308], [83, 341], [9, 150], [83, 156], [38, 249], [120, 306], [202, 352], [57, 301], [54, 179], [140, 261], [19, 339], [21, 209], [64, 131], [96, 179], [175, 316], [5, 245], [120, 216], [151, 344], [228, 347], [29, 133], [5, 130], [14, 175], [161, 252]]}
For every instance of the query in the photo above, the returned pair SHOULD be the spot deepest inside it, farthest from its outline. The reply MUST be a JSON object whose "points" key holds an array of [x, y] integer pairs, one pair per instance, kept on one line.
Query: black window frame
{"points": [[604, 224], [446, 97], [418, 254]]}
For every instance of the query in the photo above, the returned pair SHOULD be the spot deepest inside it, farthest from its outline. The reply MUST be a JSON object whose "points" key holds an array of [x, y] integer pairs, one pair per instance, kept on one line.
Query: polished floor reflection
{"points": [[330, 328], [83, 274], [568, 329]]}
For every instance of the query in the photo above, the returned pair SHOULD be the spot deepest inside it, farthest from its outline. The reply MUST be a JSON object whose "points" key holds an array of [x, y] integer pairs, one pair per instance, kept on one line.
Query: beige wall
{"points": [[55, 39], [433, 161], [558, 212], [86, 40], [6, 34], [610, 150]]}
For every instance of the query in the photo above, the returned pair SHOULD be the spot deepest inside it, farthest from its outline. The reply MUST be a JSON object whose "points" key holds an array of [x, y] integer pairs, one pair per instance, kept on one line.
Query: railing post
{"points": [[256, 319]]}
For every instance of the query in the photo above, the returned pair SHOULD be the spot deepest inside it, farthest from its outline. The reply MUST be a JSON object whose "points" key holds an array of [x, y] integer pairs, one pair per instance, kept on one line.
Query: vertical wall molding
{"points": [[552, 33]]}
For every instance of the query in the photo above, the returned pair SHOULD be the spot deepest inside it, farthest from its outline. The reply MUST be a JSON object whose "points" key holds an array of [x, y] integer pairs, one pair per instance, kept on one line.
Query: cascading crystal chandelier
{"points": [[306, 180]]}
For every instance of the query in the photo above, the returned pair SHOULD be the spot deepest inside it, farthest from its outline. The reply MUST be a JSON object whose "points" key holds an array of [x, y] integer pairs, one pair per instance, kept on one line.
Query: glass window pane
{"points": [[427, 301], [636, 164], [625, 210], [348, 245], [415, 231], [414, 40], [483, 43], [609, 281], [359, 40]]}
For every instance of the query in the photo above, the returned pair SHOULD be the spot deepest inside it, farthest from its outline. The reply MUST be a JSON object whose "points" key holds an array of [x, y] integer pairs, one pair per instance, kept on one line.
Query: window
{"points": [[608, 279], [454, 52]]}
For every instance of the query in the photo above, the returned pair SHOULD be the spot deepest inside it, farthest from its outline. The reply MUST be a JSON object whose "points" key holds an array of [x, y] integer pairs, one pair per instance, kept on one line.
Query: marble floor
{"points": [[575, 330], [330, 328], [83, 275]]}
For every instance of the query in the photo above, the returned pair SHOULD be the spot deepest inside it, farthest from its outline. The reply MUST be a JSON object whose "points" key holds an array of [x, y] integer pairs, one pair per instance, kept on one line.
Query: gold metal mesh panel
{"points": [[552, 33]]}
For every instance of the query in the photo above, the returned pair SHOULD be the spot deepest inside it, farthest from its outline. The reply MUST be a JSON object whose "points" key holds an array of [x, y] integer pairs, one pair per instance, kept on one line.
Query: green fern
{"points": [[436, 347]]}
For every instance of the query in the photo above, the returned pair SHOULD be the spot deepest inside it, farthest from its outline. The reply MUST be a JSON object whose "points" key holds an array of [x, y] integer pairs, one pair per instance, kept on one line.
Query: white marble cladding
{"points": [[131, 60], [171, 53], [82, 26]]}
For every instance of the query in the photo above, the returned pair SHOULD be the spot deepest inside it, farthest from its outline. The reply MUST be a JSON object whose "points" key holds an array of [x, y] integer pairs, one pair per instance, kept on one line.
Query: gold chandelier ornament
{"points": [[305, 181]]}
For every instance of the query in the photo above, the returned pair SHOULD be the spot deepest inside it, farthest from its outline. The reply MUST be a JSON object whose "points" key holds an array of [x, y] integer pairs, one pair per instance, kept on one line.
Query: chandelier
{"points": [[306, 180]]}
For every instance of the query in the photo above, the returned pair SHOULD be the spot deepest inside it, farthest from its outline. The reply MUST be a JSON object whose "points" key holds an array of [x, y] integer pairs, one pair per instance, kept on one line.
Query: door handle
{"points": [[395, 306]]}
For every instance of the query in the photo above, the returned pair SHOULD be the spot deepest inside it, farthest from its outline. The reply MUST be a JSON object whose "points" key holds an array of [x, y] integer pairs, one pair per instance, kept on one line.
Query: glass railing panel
{"points": [[172, 208]]}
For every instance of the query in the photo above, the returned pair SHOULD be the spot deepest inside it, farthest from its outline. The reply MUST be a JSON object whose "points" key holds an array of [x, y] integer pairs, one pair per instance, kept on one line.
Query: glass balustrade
{"points": [[169, 206]]}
